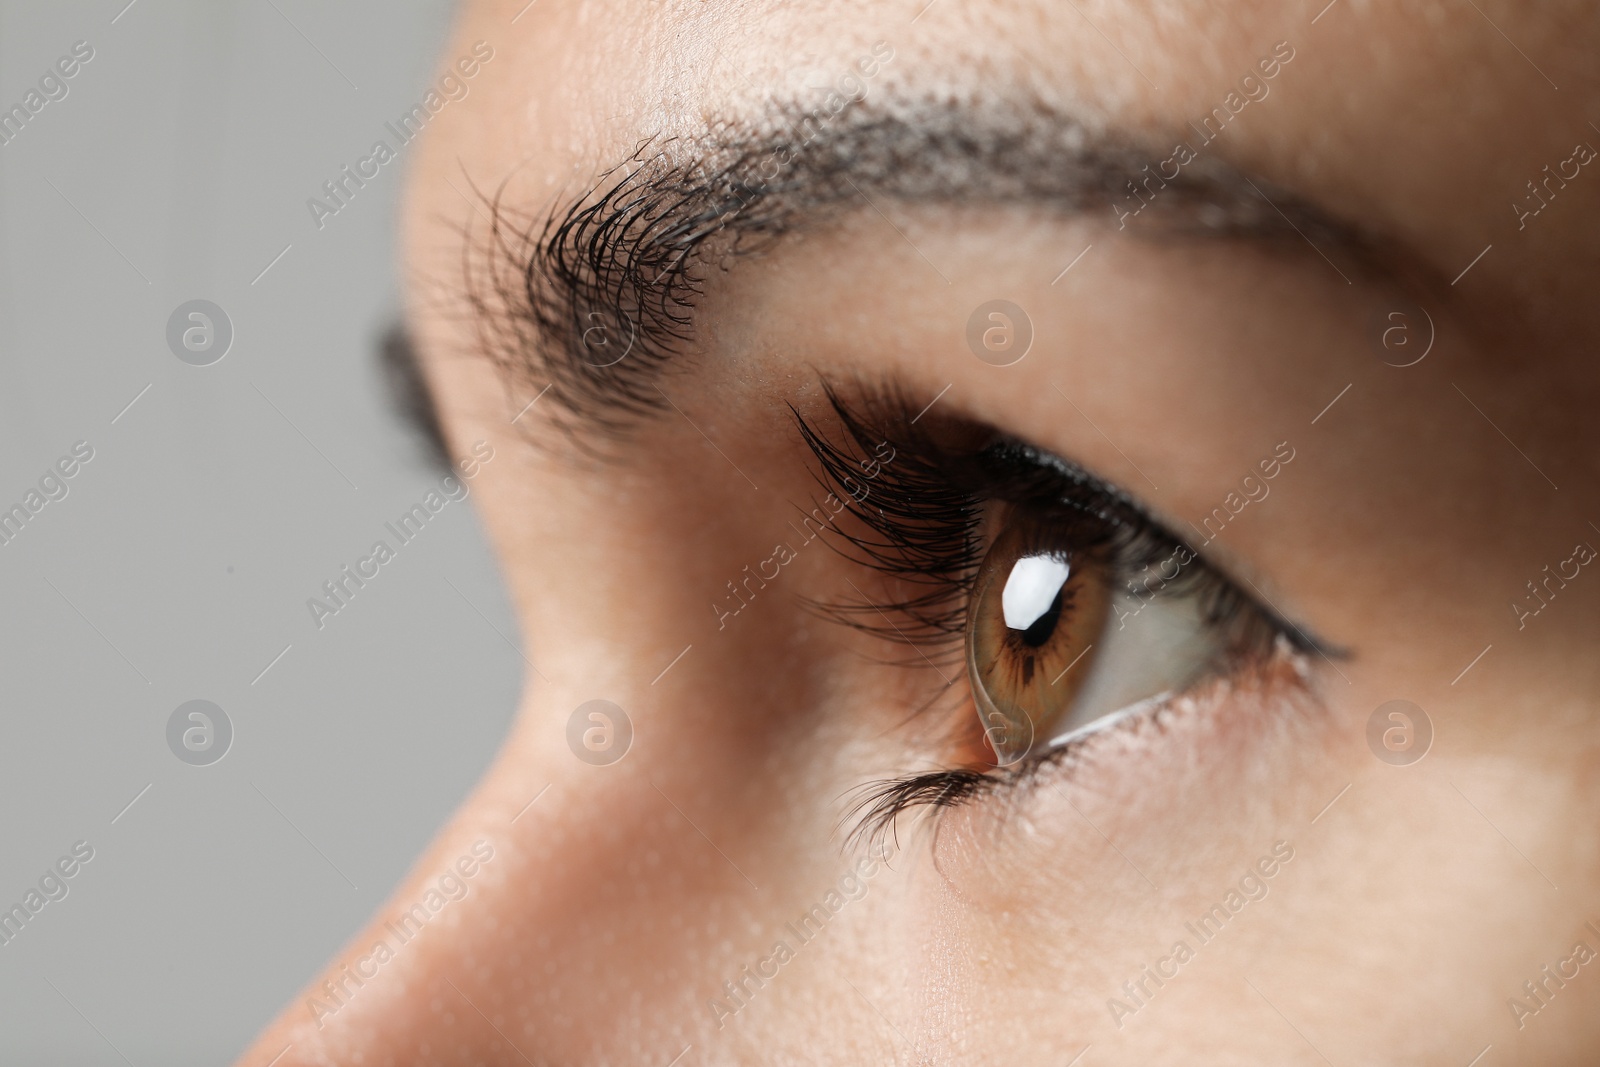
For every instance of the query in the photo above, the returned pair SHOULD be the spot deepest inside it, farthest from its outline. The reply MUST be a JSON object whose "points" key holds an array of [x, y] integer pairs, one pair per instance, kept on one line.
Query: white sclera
{"points": [[1031, 588]]}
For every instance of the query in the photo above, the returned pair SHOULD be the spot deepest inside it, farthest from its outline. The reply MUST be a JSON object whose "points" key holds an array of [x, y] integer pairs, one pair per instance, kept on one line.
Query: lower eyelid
{"points": [[1280, 684], [1148, 707], [1175, 635], [1114, 756], [1185, 771]]}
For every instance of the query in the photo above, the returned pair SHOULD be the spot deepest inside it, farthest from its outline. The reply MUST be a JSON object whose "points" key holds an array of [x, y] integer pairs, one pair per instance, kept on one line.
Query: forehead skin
{"points": [[1420, 121]]}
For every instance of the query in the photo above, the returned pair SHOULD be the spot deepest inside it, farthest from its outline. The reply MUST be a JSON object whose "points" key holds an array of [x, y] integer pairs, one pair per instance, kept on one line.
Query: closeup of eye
{"points": [[1037, 612], [1067, 607], [1058, 646]]}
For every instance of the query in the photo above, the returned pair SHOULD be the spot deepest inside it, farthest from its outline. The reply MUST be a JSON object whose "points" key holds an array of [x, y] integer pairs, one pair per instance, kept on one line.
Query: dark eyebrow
{"points": [[619, 268]]}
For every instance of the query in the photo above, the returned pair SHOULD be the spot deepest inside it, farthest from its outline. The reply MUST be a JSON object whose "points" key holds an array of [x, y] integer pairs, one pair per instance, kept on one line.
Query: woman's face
{"points": [[1004, 459]]}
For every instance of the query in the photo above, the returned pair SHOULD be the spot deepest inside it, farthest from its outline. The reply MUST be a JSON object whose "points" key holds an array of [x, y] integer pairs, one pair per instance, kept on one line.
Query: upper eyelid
{"points": [[861, 405], [1237, 572], [1228, 567]]}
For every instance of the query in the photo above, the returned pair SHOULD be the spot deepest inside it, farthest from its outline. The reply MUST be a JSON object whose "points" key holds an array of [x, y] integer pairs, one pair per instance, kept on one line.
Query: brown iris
{"points": [[1037, 610]]}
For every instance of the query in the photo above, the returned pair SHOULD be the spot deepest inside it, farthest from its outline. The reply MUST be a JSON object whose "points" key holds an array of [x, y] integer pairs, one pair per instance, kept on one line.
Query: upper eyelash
{"points": [[919, 527], [919, 523]]}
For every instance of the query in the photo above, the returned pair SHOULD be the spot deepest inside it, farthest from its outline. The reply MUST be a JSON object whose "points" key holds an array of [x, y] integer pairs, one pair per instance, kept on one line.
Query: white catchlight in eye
{"points": [[1031, 588]]}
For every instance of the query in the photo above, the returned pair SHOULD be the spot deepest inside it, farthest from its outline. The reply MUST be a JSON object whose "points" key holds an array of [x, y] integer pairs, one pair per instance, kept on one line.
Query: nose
{"points": [[558, 912]]}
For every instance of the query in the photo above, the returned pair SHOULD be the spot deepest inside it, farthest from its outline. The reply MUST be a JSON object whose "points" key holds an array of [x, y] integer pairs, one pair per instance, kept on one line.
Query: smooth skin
{"points": [[1417, 900]]}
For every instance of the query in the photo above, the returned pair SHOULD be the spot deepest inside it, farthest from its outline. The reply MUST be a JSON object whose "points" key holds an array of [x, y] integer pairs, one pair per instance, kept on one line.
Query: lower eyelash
{"points": [[874, 814], [876, 808]]}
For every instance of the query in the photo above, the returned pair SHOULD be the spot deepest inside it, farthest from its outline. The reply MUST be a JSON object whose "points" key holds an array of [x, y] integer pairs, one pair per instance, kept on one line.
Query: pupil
{"points": [[1040, 630]]}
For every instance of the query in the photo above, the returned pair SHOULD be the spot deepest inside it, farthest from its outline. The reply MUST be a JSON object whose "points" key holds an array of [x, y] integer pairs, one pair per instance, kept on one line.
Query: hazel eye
{"points": [[1058, 643], [1036, 613]]}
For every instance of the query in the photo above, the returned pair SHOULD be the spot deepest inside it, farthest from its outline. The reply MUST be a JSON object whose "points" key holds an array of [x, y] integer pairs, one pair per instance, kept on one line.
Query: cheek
{"points": [[1059, 891], [1189, 797], [1208, 776]]}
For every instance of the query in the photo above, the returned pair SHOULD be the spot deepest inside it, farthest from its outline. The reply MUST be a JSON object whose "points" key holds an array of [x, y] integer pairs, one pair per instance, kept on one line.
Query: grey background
{"points": [[179, 564]]}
